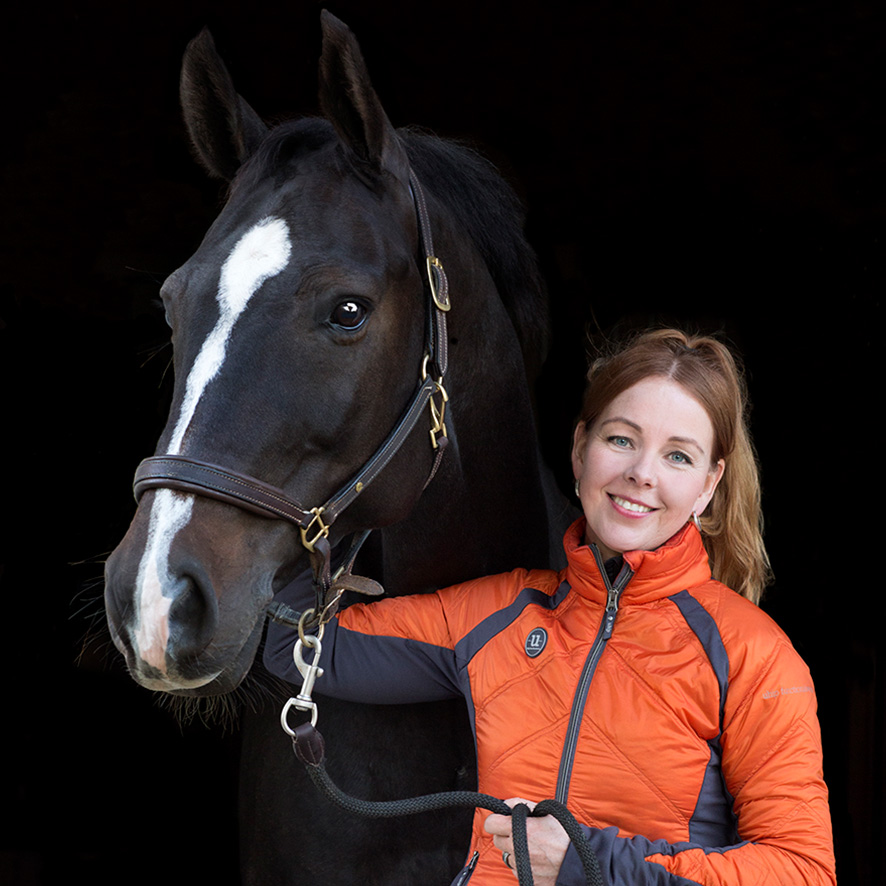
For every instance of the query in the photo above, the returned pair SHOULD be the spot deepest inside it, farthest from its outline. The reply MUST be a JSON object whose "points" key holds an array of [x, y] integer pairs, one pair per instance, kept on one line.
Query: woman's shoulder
{"points": [[754, 642], [730, 609]]}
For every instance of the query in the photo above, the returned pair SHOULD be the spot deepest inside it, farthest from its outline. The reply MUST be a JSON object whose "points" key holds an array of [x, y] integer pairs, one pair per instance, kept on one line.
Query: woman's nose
{"points": [[641, 471]]}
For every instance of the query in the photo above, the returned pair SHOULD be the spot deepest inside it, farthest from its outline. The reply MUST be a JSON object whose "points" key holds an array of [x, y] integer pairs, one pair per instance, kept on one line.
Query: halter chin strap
{"points": [[214, 481]]}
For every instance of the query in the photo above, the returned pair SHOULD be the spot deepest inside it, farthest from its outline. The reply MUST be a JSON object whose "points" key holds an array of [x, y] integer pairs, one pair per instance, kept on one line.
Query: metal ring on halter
{"points": [[306, 617]]}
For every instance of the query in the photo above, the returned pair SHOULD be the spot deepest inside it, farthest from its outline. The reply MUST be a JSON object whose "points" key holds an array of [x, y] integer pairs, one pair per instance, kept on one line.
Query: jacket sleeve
{"points": [[390, 651], [641, 862], [772, 767]]}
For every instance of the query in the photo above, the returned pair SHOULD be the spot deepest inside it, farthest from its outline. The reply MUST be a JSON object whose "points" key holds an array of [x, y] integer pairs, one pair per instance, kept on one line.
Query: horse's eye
{"points": [[349, 315]]}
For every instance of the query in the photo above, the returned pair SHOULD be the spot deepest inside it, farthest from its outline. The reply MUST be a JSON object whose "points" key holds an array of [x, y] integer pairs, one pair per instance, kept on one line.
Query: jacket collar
{"points": [[681, 562]]}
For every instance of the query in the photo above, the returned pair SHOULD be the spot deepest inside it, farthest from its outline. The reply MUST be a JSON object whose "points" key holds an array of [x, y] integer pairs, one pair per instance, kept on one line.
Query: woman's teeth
{"points": [[631, 506]]}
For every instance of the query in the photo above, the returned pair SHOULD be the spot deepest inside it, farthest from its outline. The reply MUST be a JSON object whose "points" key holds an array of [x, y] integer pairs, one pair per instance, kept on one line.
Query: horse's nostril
{"points": [[193, 617]]}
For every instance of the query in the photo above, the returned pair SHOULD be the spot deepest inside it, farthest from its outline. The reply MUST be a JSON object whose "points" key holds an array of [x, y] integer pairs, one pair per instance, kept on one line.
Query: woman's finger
{"points": [[498, 825]]}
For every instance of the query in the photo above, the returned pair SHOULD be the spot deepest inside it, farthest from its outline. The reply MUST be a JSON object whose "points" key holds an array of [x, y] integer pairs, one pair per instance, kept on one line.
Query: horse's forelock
{"points": [[284, 146]]}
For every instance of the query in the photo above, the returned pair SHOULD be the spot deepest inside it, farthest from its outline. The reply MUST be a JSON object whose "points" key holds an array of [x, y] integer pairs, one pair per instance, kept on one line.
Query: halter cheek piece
{"points": [[214, 481]]}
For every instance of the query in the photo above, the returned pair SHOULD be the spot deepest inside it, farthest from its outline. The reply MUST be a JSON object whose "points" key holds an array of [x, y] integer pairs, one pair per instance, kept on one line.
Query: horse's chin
{"points": [[214, 684], [214, 674]]}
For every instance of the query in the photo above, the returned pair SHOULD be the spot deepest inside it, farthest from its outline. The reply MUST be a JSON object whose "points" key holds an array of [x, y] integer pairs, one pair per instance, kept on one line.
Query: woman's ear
{"points": [[710, 487], [579, 444]]}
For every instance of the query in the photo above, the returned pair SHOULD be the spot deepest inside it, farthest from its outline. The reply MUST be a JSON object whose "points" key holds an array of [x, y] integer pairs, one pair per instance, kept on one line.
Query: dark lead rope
{"points": [[309, 747]]}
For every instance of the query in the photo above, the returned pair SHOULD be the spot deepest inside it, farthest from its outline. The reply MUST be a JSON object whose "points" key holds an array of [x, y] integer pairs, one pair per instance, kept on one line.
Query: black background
{"points": [[721, 166]]}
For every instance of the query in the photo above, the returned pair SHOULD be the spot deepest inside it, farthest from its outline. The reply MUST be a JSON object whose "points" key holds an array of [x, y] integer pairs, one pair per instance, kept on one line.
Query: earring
{"points": [[577, 488], [696, 521]]}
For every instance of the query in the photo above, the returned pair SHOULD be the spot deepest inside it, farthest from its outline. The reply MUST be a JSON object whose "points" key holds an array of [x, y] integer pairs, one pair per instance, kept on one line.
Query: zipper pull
{"points": [[613, 591], [610, 613], [468, 869]]}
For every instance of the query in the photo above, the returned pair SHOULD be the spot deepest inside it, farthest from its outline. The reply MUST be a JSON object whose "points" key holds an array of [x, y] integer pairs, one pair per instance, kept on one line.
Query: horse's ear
{"points": [[348, 100], [224, 130]]}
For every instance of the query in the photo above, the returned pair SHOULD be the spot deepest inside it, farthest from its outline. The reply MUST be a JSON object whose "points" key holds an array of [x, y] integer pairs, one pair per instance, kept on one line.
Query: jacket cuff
{"points": [[572, 872]]}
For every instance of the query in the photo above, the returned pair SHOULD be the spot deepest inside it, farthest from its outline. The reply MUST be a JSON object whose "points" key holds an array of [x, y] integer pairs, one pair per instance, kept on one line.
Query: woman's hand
{"points": [[547, 841]]}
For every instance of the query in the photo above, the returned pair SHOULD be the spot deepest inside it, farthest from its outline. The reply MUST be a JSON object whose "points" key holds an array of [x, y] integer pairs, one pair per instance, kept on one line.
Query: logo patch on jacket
{"points": [[536, 640]]}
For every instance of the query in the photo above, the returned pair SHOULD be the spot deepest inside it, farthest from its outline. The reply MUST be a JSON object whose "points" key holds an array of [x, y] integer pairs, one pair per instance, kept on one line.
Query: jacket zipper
{"points": [[467, 871], [604, 632]]}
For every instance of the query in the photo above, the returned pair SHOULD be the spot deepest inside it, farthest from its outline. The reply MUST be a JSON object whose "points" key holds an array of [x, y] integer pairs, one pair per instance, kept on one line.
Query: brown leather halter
{"points": [[191, 475]]}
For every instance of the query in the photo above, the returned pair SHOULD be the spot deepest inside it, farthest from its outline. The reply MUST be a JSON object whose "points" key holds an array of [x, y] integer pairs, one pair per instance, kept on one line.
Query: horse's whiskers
{"points": [[151, 352], [223, 711]]}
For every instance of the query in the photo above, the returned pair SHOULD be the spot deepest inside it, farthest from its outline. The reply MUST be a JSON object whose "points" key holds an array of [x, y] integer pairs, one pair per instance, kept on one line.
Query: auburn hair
{"points": [[732, 524]]}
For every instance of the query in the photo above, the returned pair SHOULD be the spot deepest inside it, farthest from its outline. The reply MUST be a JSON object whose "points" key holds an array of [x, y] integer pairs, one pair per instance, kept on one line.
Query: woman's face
{"points": [[644, 466]]}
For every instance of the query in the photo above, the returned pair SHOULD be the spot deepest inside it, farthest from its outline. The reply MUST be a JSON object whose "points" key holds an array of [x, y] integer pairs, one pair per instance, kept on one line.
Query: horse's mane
{"points": [[466, 183]]}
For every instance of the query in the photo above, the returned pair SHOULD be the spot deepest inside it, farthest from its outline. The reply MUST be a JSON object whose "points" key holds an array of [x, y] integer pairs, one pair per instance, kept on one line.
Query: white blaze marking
{"points": [[170, 512], [262, 252]]}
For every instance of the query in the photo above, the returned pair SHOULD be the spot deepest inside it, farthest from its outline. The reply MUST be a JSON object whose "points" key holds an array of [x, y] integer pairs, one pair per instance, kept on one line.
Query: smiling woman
{"points": [[634, 686]]}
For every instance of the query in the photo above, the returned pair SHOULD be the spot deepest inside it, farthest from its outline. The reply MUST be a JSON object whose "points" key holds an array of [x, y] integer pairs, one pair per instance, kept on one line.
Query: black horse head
{"points": [[299, 329]]}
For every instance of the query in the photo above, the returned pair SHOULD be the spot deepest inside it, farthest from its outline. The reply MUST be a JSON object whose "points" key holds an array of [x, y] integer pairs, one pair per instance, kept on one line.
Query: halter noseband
{"points": [[191, 475]]}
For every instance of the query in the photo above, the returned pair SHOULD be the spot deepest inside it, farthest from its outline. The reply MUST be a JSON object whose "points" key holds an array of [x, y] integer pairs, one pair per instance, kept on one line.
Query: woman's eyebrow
{"points": [[687, 441], [622, 421]]}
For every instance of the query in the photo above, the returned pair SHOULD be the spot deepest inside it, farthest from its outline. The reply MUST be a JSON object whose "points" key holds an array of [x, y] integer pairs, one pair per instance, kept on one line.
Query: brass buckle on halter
{"points": [[438, 414], [436, 274], [322, 531]]}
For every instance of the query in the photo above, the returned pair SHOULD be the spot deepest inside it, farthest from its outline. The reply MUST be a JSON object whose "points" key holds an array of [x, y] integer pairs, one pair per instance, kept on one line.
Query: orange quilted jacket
{"points": [[671, 715]]}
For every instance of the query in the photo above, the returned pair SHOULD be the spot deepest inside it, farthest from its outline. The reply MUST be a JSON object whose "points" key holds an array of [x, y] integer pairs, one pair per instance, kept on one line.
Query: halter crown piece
{"points": [[191, 475]]}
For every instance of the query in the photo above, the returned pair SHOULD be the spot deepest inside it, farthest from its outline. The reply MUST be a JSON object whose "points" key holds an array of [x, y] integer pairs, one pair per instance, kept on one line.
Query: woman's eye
{"points": [[623, 442], [349, 315], [680, 458]]}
